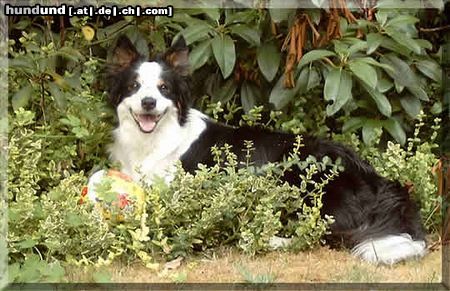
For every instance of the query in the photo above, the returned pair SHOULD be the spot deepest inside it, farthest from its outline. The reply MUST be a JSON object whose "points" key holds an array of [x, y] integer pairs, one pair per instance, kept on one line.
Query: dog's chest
{"points": [[145, 156]]}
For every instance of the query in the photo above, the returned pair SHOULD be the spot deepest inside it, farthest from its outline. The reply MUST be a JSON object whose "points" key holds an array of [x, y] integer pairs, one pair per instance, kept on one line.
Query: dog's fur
{"points": [[157, 126]]}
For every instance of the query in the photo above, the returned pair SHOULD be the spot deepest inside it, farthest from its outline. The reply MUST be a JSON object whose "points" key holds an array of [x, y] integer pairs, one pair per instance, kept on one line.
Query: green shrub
{"points": [[412, 166]]}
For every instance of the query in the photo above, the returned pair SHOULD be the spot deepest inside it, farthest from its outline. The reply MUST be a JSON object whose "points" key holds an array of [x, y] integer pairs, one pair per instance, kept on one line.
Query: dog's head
{"points": [[145, 92]]}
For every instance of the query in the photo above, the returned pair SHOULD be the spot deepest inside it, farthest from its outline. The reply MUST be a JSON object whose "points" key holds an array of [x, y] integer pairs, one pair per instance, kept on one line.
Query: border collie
{"points": [[375, 217]]}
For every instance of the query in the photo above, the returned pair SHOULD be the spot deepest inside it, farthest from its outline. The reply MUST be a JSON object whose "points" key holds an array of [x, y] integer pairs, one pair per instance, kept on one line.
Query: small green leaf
{"points": [[395, 130], [332, 82], [313, 79], [358, 45], [411, 105], [402, 20], [353, 124], [419, 92], [373, 42], [369, 131], [268, 58], [373, 62], [394, 46], [225, 54], [281, 96], [245, 16], [384, 85], [249, 34], [279, 15], [431, 69], [226, 92], [22, 97], [200, 54], [303, 78], [213, 13], [338, 88], [364, 72], [403, 39], [249, 96], [26, 244], [383, 104], [314, 55], [196, 32]]}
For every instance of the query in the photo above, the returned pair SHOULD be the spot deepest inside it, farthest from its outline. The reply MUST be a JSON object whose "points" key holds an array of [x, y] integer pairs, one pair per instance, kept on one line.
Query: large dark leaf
{"points": [[268, 58], [225, 53], [403, 39], [279, 15], [395, 130], [364, 72], [404, 76], [200, 54], [198, 31], [225, 92], [411, 105], [314, 55], [383, 104], [369, 130], [281, 96], [251, 35], [338, 88], [353, 124], [431, 69], [373, 42], [249, 96]]}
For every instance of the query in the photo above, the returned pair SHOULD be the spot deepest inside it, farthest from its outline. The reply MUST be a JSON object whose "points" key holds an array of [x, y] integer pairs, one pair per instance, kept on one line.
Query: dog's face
{"points": [[147, 92]]}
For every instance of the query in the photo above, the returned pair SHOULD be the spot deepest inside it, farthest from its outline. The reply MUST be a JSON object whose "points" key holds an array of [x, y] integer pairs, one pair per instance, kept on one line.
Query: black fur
{"points": [[364, 204]]}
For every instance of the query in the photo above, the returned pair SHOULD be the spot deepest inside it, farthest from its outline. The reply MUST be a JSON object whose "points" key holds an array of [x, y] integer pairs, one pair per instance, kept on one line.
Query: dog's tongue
{"points": [[147, 122]]}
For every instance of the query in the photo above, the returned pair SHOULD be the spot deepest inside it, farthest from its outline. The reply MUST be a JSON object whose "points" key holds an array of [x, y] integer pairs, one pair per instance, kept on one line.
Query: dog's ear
{"points": [[177, 56], [124, 53]]}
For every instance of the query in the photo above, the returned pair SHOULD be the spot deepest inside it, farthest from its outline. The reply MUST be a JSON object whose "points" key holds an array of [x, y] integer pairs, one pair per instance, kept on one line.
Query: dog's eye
{"points": [[163, 87], [133, 85]]}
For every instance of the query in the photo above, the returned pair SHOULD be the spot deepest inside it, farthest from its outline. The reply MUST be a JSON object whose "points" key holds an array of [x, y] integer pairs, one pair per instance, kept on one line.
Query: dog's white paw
{"points": [[276, 242]]}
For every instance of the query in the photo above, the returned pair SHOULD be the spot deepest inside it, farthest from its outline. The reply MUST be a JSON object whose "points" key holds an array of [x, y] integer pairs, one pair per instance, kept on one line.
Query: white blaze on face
{"points": [[149, 79], [149, 76]]}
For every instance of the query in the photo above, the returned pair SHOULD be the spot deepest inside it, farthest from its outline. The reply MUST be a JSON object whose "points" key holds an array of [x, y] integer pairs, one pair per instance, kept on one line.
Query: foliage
{"points": [[193, 212], [228, 204], [357, 75], [49, 224], [365, 64]]}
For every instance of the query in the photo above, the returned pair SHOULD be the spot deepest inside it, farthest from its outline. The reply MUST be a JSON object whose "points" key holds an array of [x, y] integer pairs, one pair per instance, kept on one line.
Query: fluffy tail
{"points": [[390, 249]]}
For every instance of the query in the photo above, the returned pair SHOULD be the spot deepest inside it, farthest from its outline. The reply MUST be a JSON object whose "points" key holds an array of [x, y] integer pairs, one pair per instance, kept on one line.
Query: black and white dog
{"points": [[157, 127]]}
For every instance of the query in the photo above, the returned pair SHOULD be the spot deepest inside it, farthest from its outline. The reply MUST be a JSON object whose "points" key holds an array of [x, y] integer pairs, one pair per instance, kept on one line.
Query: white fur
{"points": [[276, 242], [390, 249], [144, 155]]}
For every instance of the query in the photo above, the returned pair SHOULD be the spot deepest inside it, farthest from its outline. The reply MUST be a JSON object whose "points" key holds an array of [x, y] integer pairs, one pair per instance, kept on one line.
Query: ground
{"points": [[231, 266]]}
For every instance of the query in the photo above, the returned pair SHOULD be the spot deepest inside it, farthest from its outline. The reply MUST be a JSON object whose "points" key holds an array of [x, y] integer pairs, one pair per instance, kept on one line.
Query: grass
{"points": [[230, 266]]}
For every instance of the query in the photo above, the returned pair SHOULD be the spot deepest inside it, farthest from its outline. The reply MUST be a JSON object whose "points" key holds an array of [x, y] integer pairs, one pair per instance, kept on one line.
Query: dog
{"points": [[374, 216]]}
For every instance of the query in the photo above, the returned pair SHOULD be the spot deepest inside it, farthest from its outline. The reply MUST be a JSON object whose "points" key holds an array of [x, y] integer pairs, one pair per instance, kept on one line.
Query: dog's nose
{"points": [[148, 103]]}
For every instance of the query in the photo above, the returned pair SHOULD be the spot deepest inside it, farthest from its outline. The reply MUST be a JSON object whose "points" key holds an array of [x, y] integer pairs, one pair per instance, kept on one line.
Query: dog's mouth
{"points": [[146, 121]]}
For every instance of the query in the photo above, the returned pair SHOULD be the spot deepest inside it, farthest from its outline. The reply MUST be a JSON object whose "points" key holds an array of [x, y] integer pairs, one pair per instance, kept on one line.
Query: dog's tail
{"points": [[392, 230], [390, 249]]}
